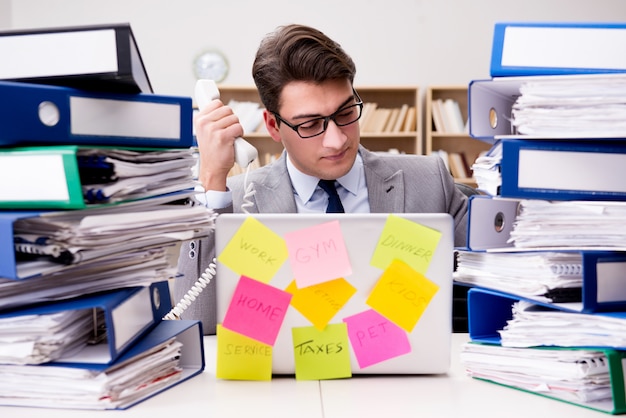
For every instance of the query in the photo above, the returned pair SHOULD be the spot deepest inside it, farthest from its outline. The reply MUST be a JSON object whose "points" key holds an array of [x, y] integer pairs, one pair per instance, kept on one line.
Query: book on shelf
{"points": [[457, 165], [377, 120], [391, 121], [402, 114], [171, 353], [250, 114], [410, 122], [96, 57], [452, 116], [437, 114], [367, 114]]}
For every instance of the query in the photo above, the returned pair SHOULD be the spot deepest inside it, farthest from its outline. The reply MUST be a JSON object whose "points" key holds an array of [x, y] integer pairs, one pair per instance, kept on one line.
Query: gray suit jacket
{"points": [[395, 184]]}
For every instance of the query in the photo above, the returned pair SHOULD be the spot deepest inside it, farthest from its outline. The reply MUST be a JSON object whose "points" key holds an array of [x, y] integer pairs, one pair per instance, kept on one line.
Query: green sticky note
{"points": [[408, 241], [321, 355]]}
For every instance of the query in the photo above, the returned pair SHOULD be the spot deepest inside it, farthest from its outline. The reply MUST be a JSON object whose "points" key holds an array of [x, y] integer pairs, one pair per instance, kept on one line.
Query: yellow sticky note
{"points": [[402, 294], [255, 251], [321, 302], [321, 354], [242, 358], [408, 241]]}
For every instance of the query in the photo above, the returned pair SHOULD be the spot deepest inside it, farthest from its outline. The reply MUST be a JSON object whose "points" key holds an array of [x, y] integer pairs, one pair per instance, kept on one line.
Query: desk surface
{"points": [[450, 395]]}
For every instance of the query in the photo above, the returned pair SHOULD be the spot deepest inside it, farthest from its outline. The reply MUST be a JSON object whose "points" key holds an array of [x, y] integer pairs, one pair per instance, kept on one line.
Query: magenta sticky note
{"points": [[257, 310], [318, 254], [375, 339]]}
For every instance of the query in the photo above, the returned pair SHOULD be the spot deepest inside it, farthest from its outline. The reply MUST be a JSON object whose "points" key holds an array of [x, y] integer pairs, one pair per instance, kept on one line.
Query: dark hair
{"points": [[297, 53]]}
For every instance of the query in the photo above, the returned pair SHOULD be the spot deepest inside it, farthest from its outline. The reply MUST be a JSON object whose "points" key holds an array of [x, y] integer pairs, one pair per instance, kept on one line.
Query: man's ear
{"points": [[272, 125]]}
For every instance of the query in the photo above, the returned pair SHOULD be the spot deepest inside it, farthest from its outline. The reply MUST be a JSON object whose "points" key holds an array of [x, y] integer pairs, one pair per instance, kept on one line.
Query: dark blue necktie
{"points": [[334, 203]]}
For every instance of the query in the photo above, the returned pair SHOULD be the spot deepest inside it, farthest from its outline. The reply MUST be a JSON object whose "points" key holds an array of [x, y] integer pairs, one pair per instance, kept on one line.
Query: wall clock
{"points": [[211, 65]]}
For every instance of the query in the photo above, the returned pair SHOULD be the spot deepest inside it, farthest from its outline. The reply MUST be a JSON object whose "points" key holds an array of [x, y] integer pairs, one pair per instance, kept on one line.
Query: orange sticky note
{"points": [[321, 302], [242, 358], [321, 354], [318, 254], [255, 251], [405, 240], [402, 294]]}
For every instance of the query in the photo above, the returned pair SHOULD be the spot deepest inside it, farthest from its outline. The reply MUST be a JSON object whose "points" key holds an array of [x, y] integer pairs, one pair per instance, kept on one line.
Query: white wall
{"points": [[421, 42]]}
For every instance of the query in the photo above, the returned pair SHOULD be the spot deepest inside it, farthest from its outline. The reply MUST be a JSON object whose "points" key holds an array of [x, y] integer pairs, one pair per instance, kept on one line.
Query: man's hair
{"points": [[297, 53]]}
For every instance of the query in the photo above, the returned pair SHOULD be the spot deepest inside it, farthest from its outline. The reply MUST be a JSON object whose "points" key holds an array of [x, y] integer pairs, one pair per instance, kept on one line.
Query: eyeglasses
{"points": [[314, 127]]}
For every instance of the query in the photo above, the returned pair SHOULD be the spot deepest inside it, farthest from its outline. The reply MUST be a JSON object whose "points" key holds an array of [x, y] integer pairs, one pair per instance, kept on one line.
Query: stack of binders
{"points": [[546, 251], [96, 197]]}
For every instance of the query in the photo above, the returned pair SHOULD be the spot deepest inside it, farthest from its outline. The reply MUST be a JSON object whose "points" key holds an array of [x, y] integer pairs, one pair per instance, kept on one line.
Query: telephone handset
{"points": [[206, 90], [245, 153]]}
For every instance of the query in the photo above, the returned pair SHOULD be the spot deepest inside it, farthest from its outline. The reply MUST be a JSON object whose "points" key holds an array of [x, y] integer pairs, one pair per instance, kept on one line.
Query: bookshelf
{"points": [[449, 140], [405, 139]]}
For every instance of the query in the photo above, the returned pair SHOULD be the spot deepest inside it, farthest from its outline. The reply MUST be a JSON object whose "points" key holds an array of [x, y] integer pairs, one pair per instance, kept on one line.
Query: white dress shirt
{"points": [[309, 196]]}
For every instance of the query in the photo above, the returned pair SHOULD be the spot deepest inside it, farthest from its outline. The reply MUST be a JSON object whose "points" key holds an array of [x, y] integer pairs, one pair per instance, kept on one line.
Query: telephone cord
{"points": [[191, 295]]}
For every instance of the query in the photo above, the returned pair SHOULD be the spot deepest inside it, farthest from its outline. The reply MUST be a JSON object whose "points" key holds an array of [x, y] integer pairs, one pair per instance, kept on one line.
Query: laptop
{"points": [[364, 266]]}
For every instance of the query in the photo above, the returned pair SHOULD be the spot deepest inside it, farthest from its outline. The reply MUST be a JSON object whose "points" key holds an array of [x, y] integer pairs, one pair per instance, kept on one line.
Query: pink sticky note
{"points": [[375, 339], [257, 310], [318, 254]]}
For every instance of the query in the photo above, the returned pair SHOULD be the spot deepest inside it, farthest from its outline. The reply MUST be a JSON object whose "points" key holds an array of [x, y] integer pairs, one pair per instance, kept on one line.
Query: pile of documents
{"points": [[546, 251], [539, 325], [95, 203], [570, 224], [544, 275], [572, 106], [571, 375]]}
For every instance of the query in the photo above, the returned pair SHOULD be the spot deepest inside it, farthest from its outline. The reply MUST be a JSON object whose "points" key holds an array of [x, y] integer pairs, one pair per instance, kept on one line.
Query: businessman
{"points": [[305, 81]]}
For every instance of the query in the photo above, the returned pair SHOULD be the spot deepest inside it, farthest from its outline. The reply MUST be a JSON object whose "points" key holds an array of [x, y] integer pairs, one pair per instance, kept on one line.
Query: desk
{"points": [[450, 395]]}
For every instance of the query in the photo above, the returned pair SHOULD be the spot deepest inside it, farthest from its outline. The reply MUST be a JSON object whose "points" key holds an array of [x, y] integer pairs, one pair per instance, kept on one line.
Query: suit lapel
{"points": [[385, 187], [274, 193]]}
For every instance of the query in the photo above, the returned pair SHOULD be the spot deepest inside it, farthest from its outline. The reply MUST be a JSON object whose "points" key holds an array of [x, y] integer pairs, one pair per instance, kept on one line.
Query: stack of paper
{"points": [[486, 170], [572, 375], [573, 106], [536, 274], [36, 339], [168, 355], [535, 325], [573, 224]]}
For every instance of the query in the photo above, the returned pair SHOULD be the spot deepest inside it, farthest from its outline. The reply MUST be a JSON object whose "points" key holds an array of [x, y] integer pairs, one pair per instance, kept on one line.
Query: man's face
{"points": [[331, 154]]}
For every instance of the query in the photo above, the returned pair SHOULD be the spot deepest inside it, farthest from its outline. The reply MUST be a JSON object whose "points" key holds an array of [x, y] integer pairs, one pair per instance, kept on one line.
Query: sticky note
{"points": [[402, 294], [242, 358], [375, 339], [318, 254], [321, 355], [405, 240], [321, 302], [257, 310], [254, 251]]}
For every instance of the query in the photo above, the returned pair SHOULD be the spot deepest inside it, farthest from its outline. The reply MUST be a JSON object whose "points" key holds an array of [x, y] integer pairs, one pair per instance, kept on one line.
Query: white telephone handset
{"points": [[206, 90], [245, 153]]}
